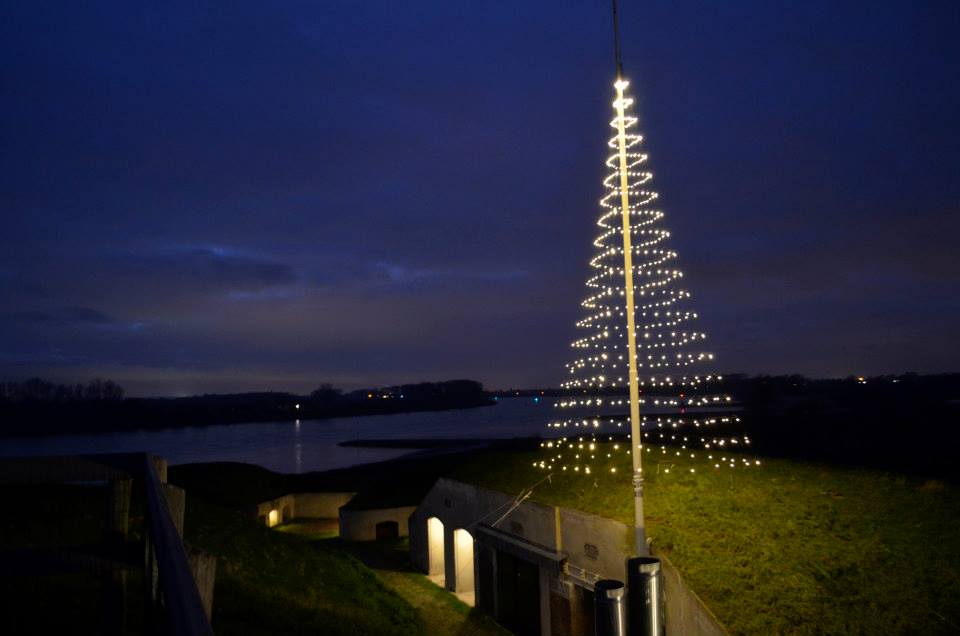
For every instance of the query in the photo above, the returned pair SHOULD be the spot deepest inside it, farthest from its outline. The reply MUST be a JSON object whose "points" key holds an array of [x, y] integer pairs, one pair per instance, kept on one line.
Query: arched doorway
{"points": [[435, 550], [463, 553]]}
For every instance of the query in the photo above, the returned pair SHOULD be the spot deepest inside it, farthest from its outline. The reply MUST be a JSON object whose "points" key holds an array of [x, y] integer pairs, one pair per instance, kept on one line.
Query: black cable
{"points": [[616, 41]]}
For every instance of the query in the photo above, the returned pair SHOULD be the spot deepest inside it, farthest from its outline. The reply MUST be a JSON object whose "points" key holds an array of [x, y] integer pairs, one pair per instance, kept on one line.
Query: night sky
{"points": [[203, 197]]}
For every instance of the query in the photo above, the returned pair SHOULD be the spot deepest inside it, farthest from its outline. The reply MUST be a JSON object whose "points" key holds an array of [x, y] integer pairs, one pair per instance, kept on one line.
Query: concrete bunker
{"points": [[304, 505], [534, 566]]}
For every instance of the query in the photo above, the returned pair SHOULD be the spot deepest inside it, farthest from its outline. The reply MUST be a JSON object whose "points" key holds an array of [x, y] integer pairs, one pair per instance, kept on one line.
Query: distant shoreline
{"points": [[46, 419], [418, 443]]}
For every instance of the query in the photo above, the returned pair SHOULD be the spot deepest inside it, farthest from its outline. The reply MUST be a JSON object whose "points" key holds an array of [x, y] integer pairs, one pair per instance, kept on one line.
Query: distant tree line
{"points": [[38, 390], [38, 407], [452, 391], [907, 422]]}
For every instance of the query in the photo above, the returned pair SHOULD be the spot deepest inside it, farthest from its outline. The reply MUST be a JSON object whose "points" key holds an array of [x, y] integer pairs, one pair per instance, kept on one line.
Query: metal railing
{"points": [[178, 595]]}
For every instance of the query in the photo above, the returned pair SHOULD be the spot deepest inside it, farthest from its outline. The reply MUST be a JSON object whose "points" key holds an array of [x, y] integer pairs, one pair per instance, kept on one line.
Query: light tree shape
{"points": [[682, 411]]}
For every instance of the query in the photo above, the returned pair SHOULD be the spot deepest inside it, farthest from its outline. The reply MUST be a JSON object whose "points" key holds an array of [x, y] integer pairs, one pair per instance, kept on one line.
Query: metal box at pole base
{"points": [[610, 608], [645, 606]]}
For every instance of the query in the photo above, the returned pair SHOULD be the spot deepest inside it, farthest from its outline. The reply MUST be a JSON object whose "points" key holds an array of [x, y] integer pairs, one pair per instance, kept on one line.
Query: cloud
{"points": [[267, 294], [213, 267], [400, 274], [231, 268], [404, 275], [62, 316]]}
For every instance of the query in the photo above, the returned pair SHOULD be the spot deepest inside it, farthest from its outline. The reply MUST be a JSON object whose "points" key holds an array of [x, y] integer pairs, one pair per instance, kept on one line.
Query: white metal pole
{"points": [[636, 441]]}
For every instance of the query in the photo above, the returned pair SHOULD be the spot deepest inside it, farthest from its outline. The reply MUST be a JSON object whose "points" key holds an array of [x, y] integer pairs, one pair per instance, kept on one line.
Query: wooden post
{"points": [[113, 582], [160, 465], [177, 503], [204, 568], [118, 509]]}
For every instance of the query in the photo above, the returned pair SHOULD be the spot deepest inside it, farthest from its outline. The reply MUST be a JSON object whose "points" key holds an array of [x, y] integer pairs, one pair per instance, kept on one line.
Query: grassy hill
{"points": [[784, 548]]}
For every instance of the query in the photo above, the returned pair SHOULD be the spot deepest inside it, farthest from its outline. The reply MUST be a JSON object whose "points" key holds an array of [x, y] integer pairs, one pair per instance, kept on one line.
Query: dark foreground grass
{"points": [[787, 548], [274, 583], [442, 612], [299, 578], [59, 517]]}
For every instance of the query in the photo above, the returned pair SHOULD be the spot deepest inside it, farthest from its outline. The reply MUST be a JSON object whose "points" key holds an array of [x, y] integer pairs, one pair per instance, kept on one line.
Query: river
{"points": [[303, 445]]}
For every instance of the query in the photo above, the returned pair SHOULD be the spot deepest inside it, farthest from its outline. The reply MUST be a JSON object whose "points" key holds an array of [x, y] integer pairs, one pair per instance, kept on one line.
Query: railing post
{"points": [[204, 568], [114, 581], [177, 504]]}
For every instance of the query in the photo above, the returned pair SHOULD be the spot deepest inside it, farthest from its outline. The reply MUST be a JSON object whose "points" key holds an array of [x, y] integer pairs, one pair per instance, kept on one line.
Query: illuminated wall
{"points": [[435, 546], [463, 552]]}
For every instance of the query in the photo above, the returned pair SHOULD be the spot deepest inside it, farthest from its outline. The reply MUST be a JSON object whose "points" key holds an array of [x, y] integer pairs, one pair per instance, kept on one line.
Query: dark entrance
{"points": [[584, 623], [518, 595], [388, 530]]}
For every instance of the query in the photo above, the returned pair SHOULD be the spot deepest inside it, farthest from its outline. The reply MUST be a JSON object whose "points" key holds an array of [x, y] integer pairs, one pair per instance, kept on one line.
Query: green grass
{"points": [[299, 578], [312, 529], [275, 583], [787, 548], [441, 611]]}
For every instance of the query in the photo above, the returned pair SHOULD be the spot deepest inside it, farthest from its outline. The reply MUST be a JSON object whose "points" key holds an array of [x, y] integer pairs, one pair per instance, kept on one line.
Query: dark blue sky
{"points": [[212, 197]]}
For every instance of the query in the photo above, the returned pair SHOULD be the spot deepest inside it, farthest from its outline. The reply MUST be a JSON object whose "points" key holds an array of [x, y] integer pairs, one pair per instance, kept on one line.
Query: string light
{"points": [[678, 390]]}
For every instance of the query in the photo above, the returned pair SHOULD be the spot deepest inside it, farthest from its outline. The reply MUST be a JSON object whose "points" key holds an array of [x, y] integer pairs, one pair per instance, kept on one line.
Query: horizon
{"points": [[502, 389]]}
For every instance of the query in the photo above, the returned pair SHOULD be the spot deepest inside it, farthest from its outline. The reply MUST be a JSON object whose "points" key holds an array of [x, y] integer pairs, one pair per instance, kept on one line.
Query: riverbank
{"points": [[41, 417]]}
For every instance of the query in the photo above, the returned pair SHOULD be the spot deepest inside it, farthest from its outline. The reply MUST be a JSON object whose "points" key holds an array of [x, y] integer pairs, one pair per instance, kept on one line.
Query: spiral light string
{"points": [[681, 406]]}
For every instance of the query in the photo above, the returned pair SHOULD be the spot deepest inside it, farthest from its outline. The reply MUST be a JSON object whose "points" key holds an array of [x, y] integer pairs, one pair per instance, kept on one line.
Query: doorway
{"points": [[387, 530], [463, 554], [518, 595]]}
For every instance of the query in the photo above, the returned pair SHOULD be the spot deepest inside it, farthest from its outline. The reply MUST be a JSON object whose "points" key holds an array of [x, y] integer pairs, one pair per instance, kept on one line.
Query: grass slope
{"points": [[274, 583], [787, 548], [442, 612], [299, 578]]}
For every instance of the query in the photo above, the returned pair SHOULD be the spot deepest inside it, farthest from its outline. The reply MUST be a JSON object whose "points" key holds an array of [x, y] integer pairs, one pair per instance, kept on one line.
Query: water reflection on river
{"points": [[303, 446]]}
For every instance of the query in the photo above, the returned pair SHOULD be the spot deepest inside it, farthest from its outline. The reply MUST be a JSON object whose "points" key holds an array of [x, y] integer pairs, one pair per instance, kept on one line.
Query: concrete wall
{"points": [[361, 525], [460, 505], [320, 505], [276, 511], [303, 505], [594, 544], [685, 612]]}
